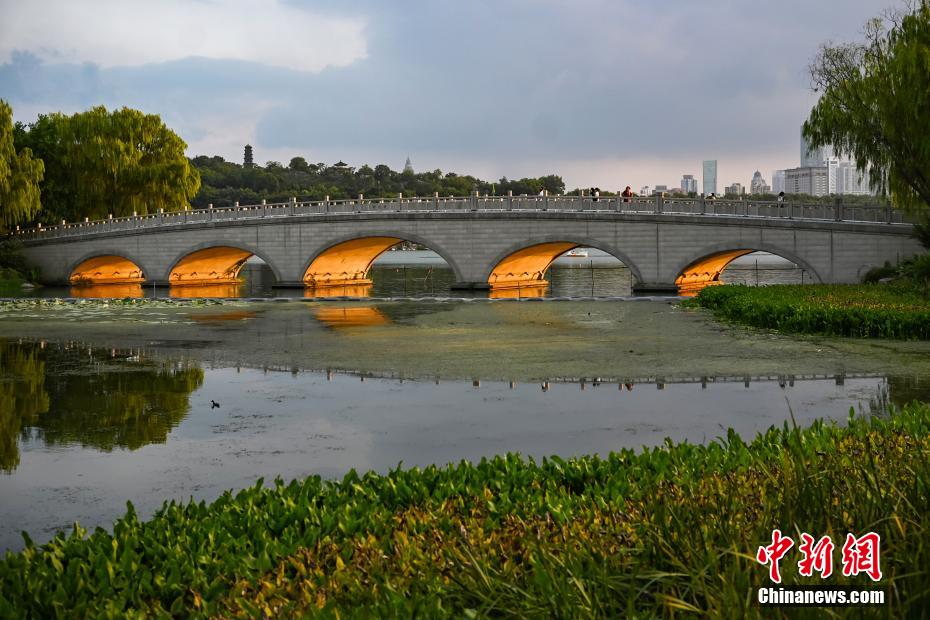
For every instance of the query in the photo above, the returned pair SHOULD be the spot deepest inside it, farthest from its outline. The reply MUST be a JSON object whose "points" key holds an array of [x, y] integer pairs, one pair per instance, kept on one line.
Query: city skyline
{"points": [[342, 82]]}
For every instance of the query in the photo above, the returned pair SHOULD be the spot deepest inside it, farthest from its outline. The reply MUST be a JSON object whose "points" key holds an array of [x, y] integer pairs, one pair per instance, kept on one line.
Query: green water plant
{"points": [[864, 311], [655, 532]]}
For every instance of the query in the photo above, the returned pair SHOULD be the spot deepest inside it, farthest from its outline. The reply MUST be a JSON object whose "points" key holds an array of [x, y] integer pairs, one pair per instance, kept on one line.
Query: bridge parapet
{"points": [[549, 203]]}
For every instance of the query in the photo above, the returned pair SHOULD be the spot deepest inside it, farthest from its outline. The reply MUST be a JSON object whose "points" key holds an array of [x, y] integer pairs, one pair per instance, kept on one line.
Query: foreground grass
{"points": [[859, 310], [659, 532]]}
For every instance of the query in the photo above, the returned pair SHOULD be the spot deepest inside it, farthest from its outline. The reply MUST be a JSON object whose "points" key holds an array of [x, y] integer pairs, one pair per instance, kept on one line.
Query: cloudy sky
{"points": [[603, 92]]}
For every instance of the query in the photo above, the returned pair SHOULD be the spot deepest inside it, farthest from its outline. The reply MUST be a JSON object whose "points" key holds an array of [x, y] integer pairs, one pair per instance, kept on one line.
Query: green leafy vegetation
{"points": [[867, 310], [873, 104], [20, 175], [655, 532], [226, 182], [101, 162]]}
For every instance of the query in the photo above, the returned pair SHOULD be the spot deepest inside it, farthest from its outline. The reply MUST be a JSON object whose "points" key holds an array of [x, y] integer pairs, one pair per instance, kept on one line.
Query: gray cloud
{"points": [[508, 82]]}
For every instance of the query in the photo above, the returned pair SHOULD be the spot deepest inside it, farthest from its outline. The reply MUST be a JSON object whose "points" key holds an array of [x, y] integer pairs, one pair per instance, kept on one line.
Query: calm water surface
{"points": [[100, 404]]}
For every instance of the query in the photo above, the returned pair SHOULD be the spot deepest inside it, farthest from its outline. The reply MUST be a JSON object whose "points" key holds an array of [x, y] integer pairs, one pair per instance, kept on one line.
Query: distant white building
{"points": [[842, 177], [778, 181], [645, 191], [689, 184], [758, 185], [810, 180], [851, 181]]}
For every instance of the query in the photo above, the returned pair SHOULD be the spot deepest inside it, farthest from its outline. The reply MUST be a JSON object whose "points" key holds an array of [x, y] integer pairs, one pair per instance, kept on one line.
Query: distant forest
{"points": [[223, 183]]}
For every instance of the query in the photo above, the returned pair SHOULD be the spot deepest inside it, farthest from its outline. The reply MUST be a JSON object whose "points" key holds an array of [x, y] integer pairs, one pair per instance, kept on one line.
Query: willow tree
{"points": [[120, 162], [20, 175], [875, 104]]}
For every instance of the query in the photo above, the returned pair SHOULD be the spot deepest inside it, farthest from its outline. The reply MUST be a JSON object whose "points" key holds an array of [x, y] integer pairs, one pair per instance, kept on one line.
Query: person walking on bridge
{"points": [[627, 194]]}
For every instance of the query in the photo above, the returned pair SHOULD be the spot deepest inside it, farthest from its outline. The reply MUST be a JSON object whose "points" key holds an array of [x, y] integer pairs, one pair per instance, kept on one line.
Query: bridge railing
{"points": [[548, 203]]}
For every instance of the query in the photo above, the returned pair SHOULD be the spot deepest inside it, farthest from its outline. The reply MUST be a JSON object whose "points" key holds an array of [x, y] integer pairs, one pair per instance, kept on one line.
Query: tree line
{"points": [[225, 182]]}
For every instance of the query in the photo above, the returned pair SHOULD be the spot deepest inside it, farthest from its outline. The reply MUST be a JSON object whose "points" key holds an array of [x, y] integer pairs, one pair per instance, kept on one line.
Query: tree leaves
{"points": [[118, 162], [875, 105], [20, 175]]}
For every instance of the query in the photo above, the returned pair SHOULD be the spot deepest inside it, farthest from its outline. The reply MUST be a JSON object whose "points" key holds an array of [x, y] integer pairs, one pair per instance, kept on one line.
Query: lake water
{"points": [[104, 403]]}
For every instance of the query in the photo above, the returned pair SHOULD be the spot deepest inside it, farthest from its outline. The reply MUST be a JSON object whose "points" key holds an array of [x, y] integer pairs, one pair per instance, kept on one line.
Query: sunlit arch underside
{"points": [[350, 317], [527, 267], [706, 271], [216, 265], [347, 262], [108, 269]]}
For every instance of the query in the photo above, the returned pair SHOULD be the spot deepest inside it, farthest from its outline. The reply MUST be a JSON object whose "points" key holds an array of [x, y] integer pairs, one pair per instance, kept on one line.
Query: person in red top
{"points": [[627, 194]]}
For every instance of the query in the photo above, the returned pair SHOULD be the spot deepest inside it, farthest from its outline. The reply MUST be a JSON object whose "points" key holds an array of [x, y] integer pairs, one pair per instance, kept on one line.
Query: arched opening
{"points": [[107, 276], [347, 263], [209, 267], [527, 267], [566, 268], [743, 266], [380, 266], [108, 269]]}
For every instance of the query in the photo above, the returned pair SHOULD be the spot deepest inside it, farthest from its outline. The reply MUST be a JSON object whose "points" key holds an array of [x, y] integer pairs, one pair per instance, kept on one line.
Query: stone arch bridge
{"points": [[488, 242]]}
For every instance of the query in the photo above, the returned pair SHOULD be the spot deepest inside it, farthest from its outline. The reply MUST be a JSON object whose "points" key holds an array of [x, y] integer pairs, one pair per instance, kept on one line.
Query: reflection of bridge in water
{"points": [[490, 242]]}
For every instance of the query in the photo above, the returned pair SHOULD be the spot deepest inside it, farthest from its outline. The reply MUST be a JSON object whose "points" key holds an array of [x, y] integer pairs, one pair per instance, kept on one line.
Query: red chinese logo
{"points": [[860, 555], [773, 554]]}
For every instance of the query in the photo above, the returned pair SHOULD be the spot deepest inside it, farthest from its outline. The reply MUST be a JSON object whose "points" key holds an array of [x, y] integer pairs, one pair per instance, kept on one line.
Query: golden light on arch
{"points": [[706, 271], [527, 267], [347, 263], [210, 266], [107, 269]]}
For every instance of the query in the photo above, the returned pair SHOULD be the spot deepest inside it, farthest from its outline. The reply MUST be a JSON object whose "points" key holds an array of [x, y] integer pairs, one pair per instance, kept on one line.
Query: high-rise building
{"points": [[710, 176], [814, 157], [247, 160], [736, 189], [689, 184], [851, 181], [645, 191], [778, 181], [810, 180], [758, 185]]}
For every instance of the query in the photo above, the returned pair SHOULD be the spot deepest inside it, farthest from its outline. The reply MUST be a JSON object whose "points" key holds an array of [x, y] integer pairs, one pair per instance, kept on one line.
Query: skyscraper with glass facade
{"points": [[710, 176]]}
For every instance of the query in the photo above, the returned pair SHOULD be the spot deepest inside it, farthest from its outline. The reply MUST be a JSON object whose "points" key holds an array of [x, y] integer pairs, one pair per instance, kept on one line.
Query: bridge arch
{"points": [[534, 256], [347, 259], [106, 267], [214, 262], [696, 273]]}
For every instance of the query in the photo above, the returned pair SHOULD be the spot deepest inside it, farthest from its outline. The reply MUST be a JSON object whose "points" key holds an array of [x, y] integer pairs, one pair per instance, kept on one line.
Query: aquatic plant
{"points": [[654, 532], [862, 310]]}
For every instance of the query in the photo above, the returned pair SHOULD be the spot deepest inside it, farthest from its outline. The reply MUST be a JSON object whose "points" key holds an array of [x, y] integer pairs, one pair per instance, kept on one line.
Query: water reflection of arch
{"points": [[364, 260], [228, 262], [712, 260], [546, 258], [109, 253]]}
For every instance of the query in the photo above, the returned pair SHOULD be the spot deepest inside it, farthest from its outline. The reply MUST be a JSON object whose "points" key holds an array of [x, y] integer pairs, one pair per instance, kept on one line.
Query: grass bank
{"points": [[858, 310], [654, 532]]}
